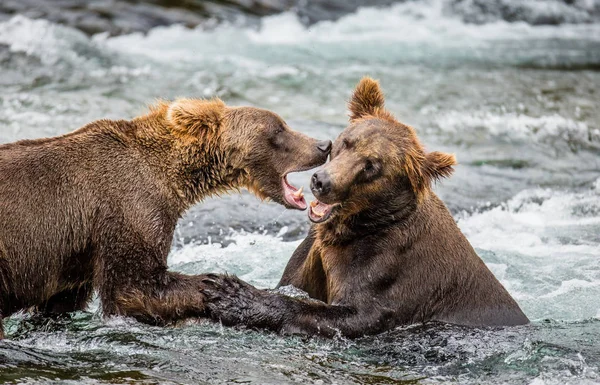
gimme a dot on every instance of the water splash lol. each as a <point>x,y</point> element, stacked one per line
<point>544,246</point>
<point>461,85</point>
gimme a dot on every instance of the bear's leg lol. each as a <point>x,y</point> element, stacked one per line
<point>5,289</point>
<point>132,278</point>
<point>235,302</point>
<point>68,301</point>
<point>178,297</point>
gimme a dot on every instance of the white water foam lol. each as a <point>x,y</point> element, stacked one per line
<point>41,38</point>
<point>49,42</point>
<point>534,223</point>
<point>544,246</point>
<point>517,127</point>
<point>419,22</point>
<point>413,23</point>
<point>55,45</point>
<point>258,258</point>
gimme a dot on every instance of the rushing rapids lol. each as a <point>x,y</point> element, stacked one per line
<point>514,98</point>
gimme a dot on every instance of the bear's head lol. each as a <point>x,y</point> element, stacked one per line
<point>378,166</point>
<point>247,147</point>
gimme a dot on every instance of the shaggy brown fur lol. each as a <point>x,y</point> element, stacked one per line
<point>96,209</point>
<point>384,250</point>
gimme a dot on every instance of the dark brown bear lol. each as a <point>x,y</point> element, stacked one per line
<point>96,209</point>
<point>384,250</point>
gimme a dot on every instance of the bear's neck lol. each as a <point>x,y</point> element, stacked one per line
<point>193,168</point>
<point>205,169</point>
<point>400,210</point>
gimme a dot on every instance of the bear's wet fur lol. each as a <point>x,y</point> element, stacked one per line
<point>383,250</point>
<point>95,209</point>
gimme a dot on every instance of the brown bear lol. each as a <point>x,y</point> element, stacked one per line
<point>96,209</point>
<point>383,251</point>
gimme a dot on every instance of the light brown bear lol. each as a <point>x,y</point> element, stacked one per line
<point>96,209</point>
<point>383,251</point>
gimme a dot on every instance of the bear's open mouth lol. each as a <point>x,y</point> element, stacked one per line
<point>319,212</point>
<point>293,196</point>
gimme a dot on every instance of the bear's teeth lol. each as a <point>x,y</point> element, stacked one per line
<point>314,203</point>
<point>298,193</point>
<point>319,214</point>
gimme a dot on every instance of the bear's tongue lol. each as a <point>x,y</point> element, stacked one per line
<point>293,196</point>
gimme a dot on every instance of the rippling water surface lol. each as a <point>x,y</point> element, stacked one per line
<point>517,103</point>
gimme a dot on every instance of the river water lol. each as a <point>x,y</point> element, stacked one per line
<point>517,104</point>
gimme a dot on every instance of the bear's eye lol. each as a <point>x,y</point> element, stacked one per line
<point>279,130</point>
<point>371,170</point>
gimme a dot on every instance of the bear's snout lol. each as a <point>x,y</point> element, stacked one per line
<point>320,183</point>
<point>324,146</point>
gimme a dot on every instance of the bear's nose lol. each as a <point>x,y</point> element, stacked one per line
<point>324,145</point>
<point>320,183</point>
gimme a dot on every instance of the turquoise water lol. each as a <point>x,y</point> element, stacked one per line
<point>517,103</point>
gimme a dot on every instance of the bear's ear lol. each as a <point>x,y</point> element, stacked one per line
<point>367,99</point>
<point>195,116</point>
<point>439,165</point>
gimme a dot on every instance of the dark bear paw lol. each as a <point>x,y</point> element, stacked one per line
<point>235,302</point>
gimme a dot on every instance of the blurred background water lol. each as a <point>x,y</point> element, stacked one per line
<point>510,86</point>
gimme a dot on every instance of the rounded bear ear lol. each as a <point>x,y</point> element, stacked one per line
<point>367,99</point>
<point>423,169</point>
<point>439,165</point>
<point>194,116</point>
